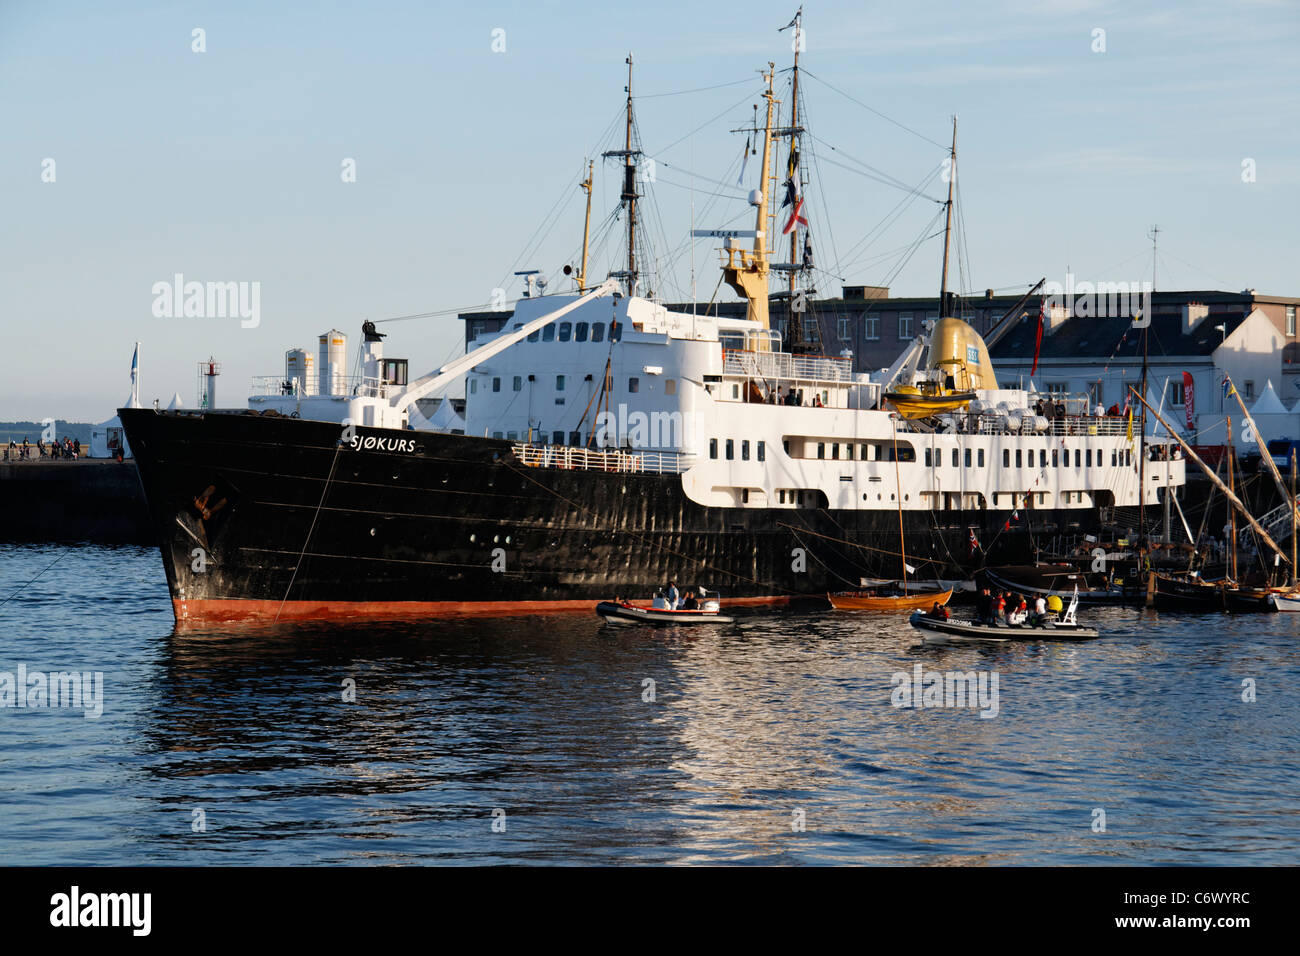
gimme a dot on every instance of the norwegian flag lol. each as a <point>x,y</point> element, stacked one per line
<point>796,217</point>
<point>974,543</point>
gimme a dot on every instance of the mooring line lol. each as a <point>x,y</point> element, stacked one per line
<point>293,577</point>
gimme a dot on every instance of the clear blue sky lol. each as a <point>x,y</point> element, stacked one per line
<point>225,165</point>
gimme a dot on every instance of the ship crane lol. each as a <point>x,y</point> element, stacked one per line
<point>422,387</point>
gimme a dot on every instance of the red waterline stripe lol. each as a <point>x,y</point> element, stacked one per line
<point>232,610</point>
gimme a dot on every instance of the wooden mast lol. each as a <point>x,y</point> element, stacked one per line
<point>796,319</point>
<point>1232,515</point>
<point>629,187</point>
<point>585,186</point>
<point>1294,578</point>
<point>1218,483</point>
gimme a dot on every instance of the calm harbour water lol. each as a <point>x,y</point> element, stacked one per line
<point>544,718</point>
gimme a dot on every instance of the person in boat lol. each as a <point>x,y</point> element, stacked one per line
<point>938,612</point>
<point>672,596</point>
<point>1000,608</point>
<point>984,607</point>
<point>689,603</point>
<point>1040,612</point>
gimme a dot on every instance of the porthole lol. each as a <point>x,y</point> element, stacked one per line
<point>372,532</point>
<point>507,539</point>
<point>496,539</point>
<point>472,539</point>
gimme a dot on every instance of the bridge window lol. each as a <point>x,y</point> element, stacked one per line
<point>473,386</point>
<point>1019,458</point>
<point>615,332</point>
<point>634,384</point>
<point>559,383</point>
<point>835,450</point>
<point>1056,457</point>
<point>548,333</point>
<point>1076,458</point>
<point>1006,458</point>
<point>966,456</point>
<point>575,439</point>
<point>1042,458</point>
<point>821,449</point>
<point>1114,457</point>
<point>1088,457</point>
<point>534,335</point>
<point>980,455</point>
<point>670,386</point>
<point>519,383</point>
<point>954,458</point>
<point>557,438</point>
<point>929,458</point>
<point>598,331</point>
<point>566,331</point>
<point>496,384</point>
<point>580,332</point>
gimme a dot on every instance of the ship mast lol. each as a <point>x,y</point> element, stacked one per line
<point>947,226</point>
<point>796,317</point>
<point>585,186</point>
<point>629,196</point>
<point>745,271</point>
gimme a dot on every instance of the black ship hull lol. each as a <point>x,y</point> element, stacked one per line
<point>264,517</point>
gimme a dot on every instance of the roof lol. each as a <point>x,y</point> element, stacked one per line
<point>1089,337</point>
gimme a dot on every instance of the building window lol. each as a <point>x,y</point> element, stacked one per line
<point>713,448</point>
<point>1056,388</point>
<point>473,386</point>
<point>844,328</point>
<point>1250,389</point>
<point>1174,394</point>
<point>496,384</point>
<point>731,449</point>
<point>871,327</point>
<point>575,439</point>
<point>634,384</point>
<point>1290,320</point>
<point>519,383</point>
<point>744,451</point>
<point>762,451</point>
<point>498,435</point>
<point>904,325</point>
<point>1094,395</point>
<point>598,331</point>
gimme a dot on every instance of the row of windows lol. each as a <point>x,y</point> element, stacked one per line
<point>517,385</point>
<point>575,331</point>
<point>730,449</point>
<point>1082,459</point>
<point>934,457</point>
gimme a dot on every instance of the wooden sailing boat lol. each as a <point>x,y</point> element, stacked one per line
<point>891,598</point>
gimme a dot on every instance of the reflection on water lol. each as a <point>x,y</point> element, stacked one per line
<point>773,740</point>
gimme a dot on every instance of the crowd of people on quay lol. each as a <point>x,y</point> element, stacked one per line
<point>68,449</point>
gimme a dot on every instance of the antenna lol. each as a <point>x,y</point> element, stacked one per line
<point>1154,235</point>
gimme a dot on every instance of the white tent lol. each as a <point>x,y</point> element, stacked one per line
<point>1272,418</point>
<point>175,403</point>
<point>107,437</point>
<point>444,419</point>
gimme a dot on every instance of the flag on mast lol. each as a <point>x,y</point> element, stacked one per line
<point>1038,340</point>
<point>796,217</point>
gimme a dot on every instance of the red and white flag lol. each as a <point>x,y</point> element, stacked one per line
<point>795,217</point>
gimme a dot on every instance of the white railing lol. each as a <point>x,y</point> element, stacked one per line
<point>353,386</point>
<point>784,366</point>
<point>590,459</point>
